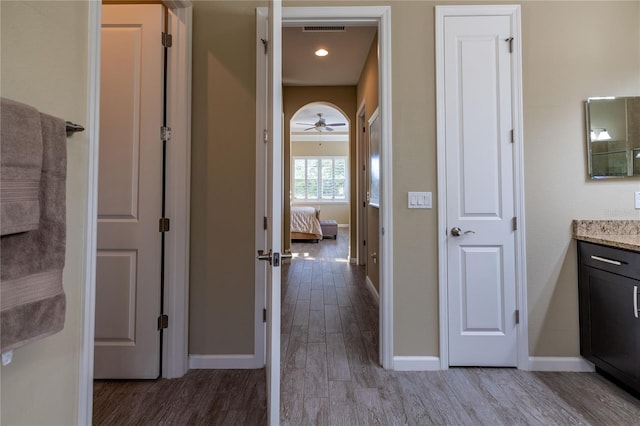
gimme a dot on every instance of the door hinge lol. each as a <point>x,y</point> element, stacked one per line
<point>265,44</point>
<point>514,223</point>
<point>264,315</point>
<point>517,316</point>
<point>265,223</point>
<point>165,133</point>
<point>163,321</point>
<point>167,40</point>
<point>265,136</point>
<point>164,224</point>
<point>513,136</point>
<point>510,41</point>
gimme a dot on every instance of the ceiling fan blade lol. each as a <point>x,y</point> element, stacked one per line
<point>336,124</point>
<point>307,124</point>
<point>328,129</point>
<point>310,128</point>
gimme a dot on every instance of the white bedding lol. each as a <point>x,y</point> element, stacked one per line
<point>304,220</point>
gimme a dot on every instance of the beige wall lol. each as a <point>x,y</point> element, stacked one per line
<point>557,186</point>
<point>560,42</point>
<point>294,98</point>
<point>223,178</point>
<point>44,58</point>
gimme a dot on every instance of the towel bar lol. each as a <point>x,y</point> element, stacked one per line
<point>72,128</point>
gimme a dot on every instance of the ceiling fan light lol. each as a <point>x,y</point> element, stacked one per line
<point>322,52</point>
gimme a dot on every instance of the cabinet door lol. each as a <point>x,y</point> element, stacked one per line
<point>614,329</point>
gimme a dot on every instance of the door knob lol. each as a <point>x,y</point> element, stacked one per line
<point>286,255</point>
<point>456,232</point>
<point>264,256</point>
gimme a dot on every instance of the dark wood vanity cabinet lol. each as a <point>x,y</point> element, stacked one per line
<point>609,283</point>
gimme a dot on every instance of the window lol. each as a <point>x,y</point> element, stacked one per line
<point>320,179</point>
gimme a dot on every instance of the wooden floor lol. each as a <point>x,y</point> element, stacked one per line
<point>331,376</point>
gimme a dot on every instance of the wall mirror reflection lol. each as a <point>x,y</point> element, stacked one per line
<point>613,136</point>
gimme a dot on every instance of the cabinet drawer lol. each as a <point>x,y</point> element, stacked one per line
<point>618,261</point>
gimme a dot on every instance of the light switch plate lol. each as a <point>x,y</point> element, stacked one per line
<point>637,199</point>
<point>419,200</point>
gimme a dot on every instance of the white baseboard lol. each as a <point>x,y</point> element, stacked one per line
<point>553,363</point>
<point>343,225</point>
<point>353,261</point>
<point>222,362</point>
<point>416,363</point>
<point>373,290</point>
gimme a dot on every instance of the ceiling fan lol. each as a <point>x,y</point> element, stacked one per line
<point>321,125</point>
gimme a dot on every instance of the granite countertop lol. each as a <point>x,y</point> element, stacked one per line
<point>623,234</point>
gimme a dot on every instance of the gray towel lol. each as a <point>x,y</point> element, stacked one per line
<point>20,165</point>
<point>32,301</point>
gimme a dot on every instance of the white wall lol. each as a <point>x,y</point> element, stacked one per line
<point>44,57</point>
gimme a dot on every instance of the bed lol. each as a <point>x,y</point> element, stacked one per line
<point>305,223</point>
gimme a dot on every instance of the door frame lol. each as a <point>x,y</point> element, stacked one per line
<point>357,15</point>
<point>175,342</point>
<point>362,150</point>
<point>513,11</point>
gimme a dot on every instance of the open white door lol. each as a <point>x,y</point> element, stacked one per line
<point>128,264</point>
<point>273,205</point>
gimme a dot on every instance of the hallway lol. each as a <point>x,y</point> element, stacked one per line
<point>329,334</point>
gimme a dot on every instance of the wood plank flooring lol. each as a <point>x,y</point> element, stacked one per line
<point>331,375</point>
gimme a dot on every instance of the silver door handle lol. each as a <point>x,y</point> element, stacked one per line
<point>374,257</point>
<point>456,232</point>
<point>635,301</point>
<point>264,256</point>
<point>286,255</point>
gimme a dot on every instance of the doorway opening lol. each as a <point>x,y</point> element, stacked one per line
<point>177,20</point>
<point>329,302</point>
<point>317,175</point>
<point>378,18</point>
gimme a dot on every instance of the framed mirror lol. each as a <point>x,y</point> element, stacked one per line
<point>613,136</point>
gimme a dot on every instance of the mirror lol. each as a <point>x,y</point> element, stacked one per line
<point>613,136</point>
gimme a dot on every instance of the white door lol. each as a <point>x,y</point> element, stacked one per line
<point>273,181</point>
<point>127,340</point>
<point>480,191</point>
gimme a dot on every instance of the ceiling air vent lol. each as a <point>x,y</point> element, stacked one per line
<point>324,29</point>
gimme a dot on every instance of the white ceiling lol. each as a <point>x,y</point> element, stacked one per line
<point>343,65</point>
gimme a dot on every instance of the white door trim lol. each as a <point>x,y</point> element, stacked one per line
<point>85,373</point>
<point>260,329</point>
<point>178,184</point>
<point>361,186</point>
<point>175,342</point>
<point>381,16</point>
<point>518,161</point>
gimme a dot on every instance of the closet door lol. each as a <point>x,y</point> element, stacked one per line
<point>128,272</point>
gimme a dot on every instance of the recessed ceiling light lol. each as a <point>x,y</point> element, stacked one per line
<point>322,52</point>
